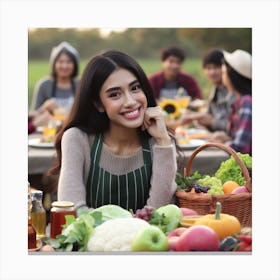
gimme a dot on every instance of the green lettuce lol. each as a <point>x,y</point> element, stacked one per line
<point>230,170</point>
<point>75,233</point>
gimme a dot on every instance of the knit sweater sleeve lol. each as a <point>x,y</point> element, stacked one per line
<point>163,185</point>
<point>75,150</point>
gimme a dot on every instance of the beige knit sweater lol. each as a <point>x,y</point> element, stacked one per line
<point>75,165</point>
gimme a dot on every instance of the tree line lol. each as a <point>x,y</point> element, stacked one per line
<point>138,42</point>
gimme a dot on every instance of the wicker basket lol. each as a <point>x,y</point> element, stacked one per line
<point>238,205</point>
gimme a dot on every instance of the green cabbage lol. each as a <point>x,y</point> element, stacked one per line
<point>111,211</point>
<point>230,170</point>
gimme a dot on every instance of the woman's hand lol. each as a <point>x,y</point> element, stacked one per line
<point>49,105</point>
<point>218,137</point>
<point>155,124</point>
<point>205,120</point>
<point>42,119</point>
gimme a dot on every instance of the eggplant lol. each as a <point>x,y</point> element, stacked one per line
<point>228,244</point>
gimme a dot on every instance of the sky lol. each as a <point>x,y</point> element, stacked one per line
<point>103,31</point>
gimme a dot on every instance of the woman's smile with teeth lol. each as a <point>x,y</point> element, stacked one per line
<point>132,114</point>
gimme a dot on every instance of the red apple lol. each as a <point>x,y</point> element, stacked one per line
<point>172,241</point>
<point>198,238</point>
<point>188,211</point>
<point>241,189</point>
<point>173,237</point>
<point>177,231</point>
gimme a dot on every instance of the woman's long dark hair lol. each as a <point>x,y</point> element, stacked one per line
<point>242,84</point>
<point>84,113</point>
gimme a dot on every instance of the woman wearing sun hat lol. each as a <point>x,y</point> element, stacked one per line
<point>61,85</point>
<point>237,77</point>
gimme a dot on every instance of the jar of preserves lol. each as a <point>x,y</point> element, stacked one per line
<point>32,236</point>
<point>38,213</point>
<point>58,212</point>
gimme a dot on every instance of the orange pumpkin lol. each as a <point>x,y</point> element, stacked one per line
<point>223,224</point>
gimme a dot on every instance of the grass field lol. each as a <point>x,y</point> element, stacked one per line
<point>38,69</point>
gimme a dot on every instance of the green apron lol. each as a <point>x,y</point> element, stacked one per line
<point>130,190</point>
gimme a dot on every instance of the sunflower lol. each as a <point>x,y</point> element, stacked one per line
<point>171,107</point>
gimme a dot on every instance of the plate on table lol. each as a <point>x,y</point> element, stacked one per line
<point>36,143</point>
<point>197,133</point>
<point>193,143</point>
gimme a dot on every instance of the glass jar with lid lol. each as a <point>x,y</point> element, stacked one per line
<point>38,213</point>
<point>58,212</point>
<point>32,236</point>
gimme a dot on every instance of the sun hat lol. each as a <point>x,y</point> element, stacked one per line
<point>240,61</point>
<point>57,49</point>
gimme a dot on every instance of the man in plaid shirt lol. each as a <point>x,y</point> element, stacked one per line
<point>171,80</point>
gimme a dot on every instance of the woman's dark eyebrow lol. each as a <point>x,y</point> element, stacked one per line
<point>117,88</point>
<point>112,89</point>
<point>133,82</point>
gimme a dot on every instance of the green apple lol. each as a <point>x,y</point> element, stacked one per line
<point>150,238</point>
<point>173,213</point>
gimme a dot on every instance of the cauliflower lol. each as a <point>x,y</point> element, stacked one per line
<point>115,235</point>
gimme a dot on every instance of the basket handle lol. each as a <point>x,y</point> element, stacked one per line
<point>229,150</point>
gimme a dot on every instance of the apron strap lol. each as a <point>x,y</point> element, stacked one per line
<point>146,150</point>
<point>96,148</point>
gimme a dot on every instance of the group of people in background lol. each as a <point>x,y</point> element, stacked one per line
<point>229,110</point>
<point>116,135</point>
<point>229,104</point>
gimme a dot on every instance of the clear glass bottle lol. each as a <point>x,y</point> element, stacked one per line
<point>58,212</point>
<point>38,213</point>
<point>32,235</point>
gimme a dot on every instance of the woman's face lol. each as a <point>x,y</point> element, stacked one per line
<point>64,66</point>
<point>123,99</point>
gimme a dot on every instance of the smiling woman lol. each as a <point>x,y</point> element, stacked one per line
<point>118,140</point>
<point>123,100</point>
<point>61,85</point>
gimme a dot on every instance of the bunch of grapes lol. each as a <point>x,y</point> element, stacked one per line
<point>199,188</point>
<point>214,184</point>
<point>145,213</point>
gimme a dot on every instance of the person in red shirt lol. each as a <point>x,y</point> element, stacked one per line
<point>171,80</point>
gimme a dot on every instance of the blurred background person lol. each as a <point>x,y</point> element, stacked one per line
<point>63,81</point>
<point>219,100</point>
<point>42,116</point>
<point>171,81</point>
<point>237,77</point>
